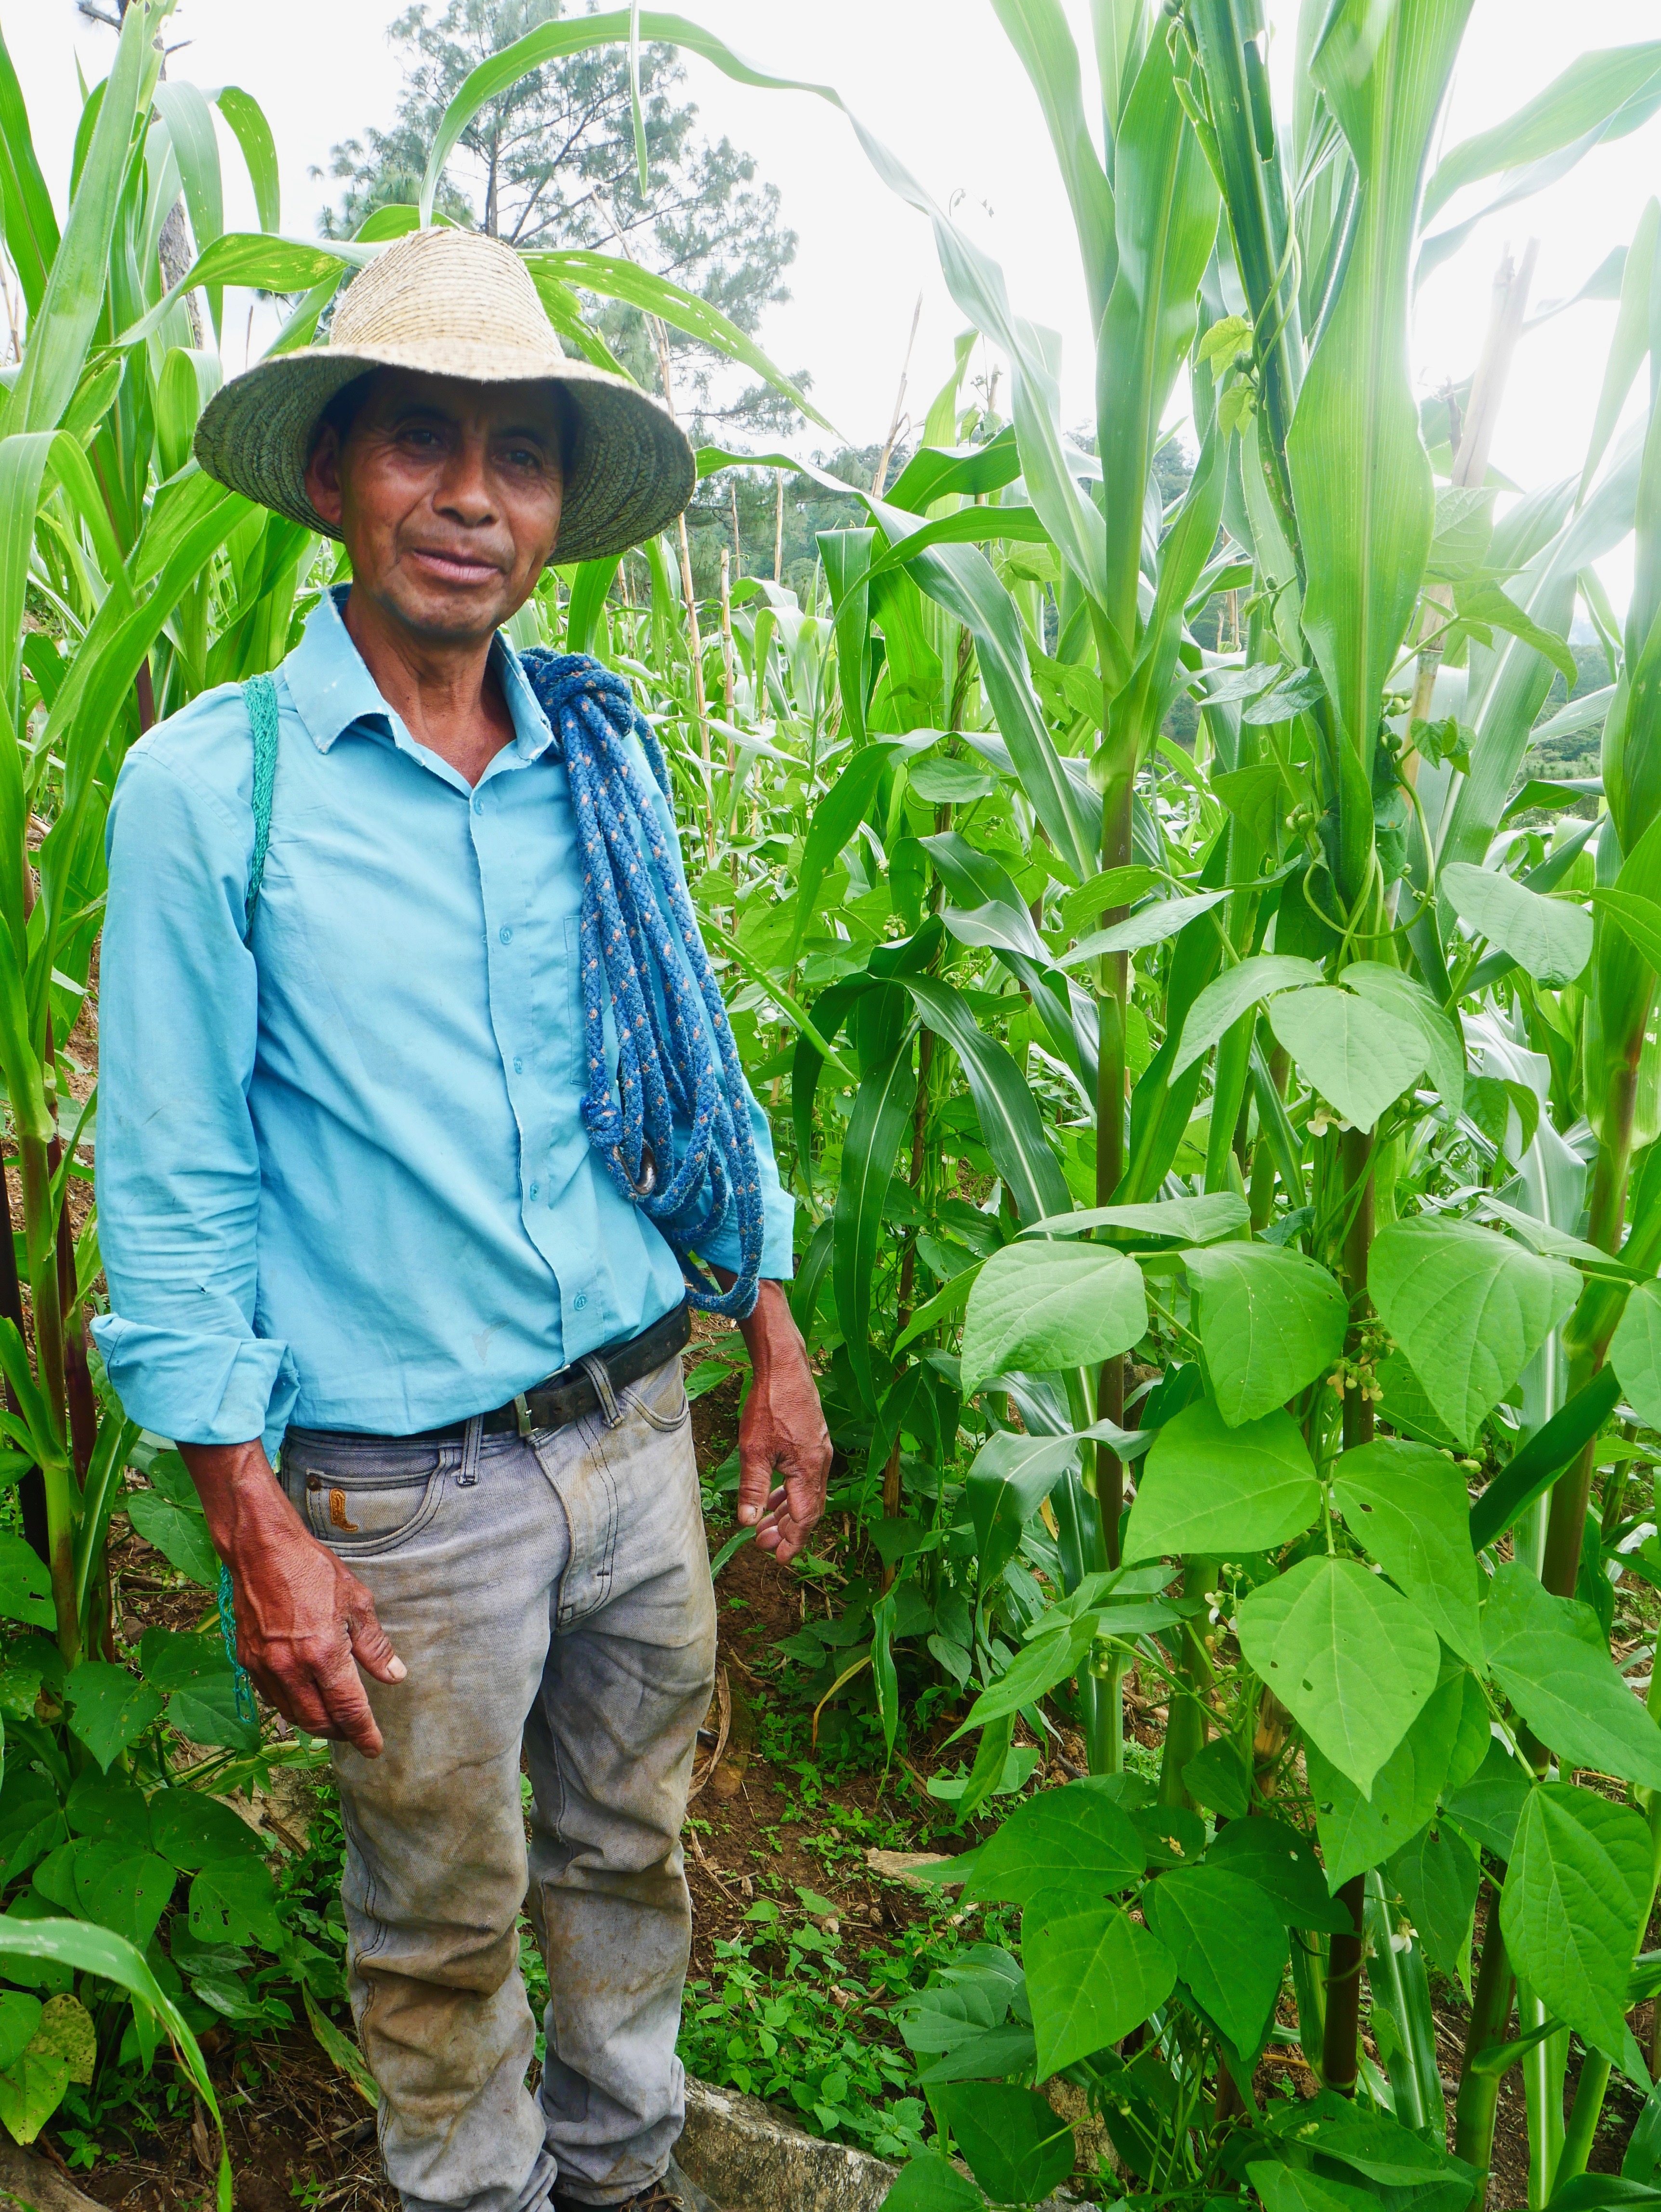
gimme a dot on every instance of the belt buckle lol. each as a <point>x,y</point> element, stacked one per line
<point>522,1412</point>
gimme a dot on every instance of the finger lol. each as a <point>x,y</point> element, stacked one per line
<point>755,1485</point>
<point>806,1494</point>
<point>347,1705</point>
<point>294,1696</point>
<point>372,1647</point>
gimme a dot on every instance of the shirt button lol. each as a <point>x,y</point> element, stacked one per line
<point>518,1064</point>
<point>478,803</point>
<point>505,934</point>
<point>534,1189</point>
<point>579,1301</point>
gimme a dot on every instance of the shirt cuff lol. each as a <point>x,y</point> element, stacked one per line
<point>199,1389</point>
<point>778,1253</point>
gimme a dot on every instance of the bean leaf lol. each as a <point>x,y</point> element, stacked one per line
<point>1360,1057</point>
<point>1406,1506</point>
<point>1042,1306</point>
<point>1549,1657</point>
<point>1348,1656</point>
<point>1091,1978</point>
<point>1209,1488</point>
<point>1469,1308</point>
<point>1270,1322</point>
<point>1547,938</point>
<point>1572,1908</point>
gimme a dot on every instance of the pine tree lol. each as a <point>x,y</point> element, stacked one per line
<point>551,162</point>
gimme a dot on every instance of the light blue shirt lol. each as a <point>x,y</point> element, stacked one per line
<point>342,1176</point>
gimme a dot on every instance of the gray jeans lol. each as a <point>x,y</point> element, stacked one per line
<point>552,1593</point>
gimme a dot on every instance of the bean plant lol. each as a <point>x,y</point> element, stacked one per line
<point>1230,1192</point>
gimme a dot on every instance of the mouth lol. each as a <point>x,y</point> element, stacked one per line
<point>453,568</point>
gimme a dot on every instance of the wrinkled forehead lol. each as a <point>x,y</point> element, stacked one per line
<point>387,396</point>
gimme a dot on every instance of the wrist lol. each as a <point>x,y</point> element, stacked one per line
<point>242,1501</point>
<point>770,1328</point>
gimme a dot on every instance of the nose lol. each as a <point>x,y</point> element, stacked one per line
<point>464,490</point>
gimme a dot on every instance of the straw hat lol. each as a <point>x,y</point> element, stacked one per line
<point>454,303</point>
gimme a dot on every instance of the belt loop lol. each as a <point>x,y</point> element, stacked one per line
<point>472,1438</point>
<point>595,1368</point>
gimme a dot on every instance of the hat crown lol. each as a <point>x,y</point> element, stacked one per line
<point>444,284</point>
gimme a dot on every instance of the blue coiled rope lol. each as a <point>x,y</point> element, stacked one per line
<point>644,956</point>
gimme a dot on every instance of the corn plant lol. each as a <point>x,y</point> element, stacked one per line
<point>1232,1212</point>
<point>1292,1148</point>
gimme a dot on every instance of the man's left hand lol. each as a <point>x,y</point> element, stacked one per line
<point>783,1431</point>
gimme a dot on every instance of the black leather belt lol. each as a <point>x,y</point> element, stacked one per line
<point>574,1391</point>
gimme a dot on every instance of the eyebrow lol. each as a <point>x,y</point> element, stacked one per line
<point>425,412</point>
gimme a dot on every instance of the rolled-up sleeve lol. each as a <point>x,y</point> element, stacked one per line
<point>778,1208</point>
<point>178,1166</point>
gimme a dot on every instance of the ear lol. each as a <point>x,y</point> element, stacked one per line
<point>323,485</point>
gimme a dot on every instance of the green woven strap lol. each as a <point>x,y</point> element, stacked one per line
<point>260,695</point>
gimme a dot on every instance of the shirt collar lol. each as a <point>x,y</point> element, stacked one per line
<point>331,688</point>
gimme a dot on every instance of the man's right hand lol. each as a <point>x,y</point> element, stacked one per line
<point>301,1617</point>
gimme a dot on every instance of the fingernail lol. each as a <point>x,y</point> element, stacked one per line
<point>746,1514</point>
<point>397,1670</point>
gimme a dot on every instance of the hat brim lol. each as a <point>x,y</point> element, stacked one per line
<point>632,472</point>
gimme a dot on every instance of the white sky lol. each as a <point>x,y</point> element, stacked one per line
<point>936,80</point>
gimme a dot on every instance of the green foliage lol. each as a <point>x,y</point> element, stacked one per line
<point>1266,1121</point>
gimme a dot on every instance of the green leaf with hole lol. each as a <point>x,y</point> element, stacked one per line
<point>1076,1840</point>
<point>1042,1306</point>
<point>1469,1308</point>
<point>122,1889</point>
<point>1270,1322</point>
<point>1228,1945</point>
<point>65,2027</point>
<point>30,2093</point>
<point>1011,2139</point>
<point>1359,1056</point>
<point>1209,1488</point>
<point>1439,1753</point>
<point>1549,1657</point>
<point>109,1708</point>
<point>1635,1353</point>
<point>233,1901</point>
<point>1549,938</point>
<point>1091,1978</point>
<point>1407,1507</point>
<point>194,1831</point>
<point>25,1585</point>
<point>1349,1657</point>
<point>1572,1909</point>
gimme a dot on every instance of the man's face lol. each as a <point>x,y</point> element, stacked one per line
<point>448,497</point>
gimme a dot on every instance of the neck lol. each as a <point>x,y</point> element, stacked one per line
<point>443,690</point>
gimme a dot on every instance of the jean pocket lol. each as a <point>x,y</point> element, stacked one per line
<point>364,1501</point>
<point>660,1398</point>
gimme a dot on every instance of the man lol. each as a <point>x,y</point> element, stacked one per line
<point>345,1193</point>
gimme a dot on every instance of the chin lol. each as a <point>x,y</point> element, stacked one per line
<point>455,614</point>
